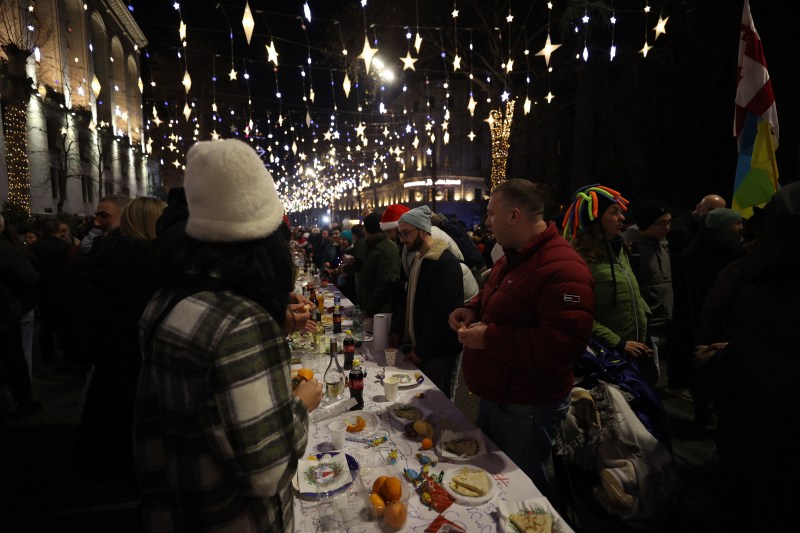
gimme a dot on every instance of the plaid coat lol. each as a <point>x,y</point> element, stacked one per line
<point>218,432</point>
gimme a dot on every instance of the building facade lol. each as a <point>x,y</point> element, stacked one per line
<point>85,129</point>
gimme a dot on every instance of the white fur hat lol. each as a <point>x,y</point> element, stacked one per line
<point>231,195</point>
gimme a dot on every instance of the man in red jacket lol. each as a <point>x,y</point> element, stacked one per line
<point>525,330</point>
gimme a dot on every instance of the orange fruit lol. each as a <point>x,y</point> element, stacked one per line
<point>306,373</point>
<point>378,504</point>
<point>395,515</point>
<point>378,483</point>
<point>426,444</point>
<point>392,489</point>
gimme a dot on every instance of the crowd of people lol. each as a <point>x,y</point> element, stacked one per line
<point>178,313</point>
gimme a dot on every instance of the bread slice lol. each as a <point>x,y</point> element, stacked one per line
<point>540,522</point>
<point>465,447</point>
<point>471,483</point>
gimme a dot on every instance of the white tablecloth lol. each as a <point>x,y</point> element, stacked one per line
<point>510,483</point>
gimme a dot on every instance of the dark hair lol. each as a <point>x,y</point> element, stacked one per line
<point>260,269</point>
<point>358,231</point>
<point>48,226</point>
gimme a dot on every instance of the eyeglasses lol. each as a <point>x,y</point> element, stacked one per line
<point>404,234</point>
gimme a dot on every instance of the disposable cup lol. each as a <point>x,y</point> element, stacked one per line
<point>391,356</point>
<point>337,430</point>
<point>391,387</point>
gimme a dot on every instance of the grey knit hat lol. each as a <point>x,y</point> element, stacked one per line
<point>419,217</point>
<point>722,218</point>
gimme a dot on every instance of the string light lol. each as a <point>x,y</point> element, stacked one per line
<point>19,180</point>
<point>500,128</point>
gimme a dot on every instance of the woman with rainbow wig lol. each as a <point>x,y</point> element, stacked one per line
<point>594,224</point>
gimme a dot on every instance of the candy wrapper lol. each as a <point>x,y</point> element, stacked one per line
<point>442,525</point>
<point>439,499</point>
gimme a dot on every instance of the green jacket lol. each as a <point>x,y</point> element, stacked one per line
<point>627,319</point>
<point>380,276</point>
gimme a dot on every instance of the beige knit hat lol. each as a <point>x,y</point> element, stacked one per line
<point>231,195</point>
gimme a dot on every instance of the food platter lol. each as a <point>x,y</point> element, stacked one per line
<point>408,412</point>
<point>449,436</point>
<point>536,506</point>
<point>407,378</point>
<point>325,474</point>
<point>461,499</point>
<point>373,423</point>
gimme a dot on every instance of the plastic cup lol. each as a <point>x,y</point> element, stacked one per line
<point>391,386</point>
<point>391,356</point>
<point>337,430</point>
<point>310,360</point>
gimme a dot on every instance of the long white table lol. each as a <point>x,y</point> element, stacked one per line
<point>510,483</point>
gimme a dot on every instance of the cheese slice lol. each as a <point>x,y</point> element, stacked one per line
<point>540,522</point>
<point>471,483</point>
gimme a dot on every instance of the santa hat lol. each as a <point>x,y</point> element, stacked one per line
<point>231,195</point>
<point>392,216</point>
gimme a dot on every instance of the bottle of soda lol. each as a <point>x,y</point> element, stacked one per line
<point>337,300</point>
<point>349,348</point>
<point>337,320</point>
<point>356,383</point>
<point>312,295</point>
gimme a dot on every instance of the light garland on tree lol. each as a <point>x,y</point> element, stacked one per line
<point>19,180</point>
<point>500,128</point>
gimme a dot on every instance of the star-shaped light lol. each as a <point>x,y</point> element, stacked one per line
<point>548,49</point>
<point>346,86</point>
<point>302,156</point>
<point>417,42</point>
<point>415,142</point>
<point>367,53</point>
<point>661,26</point>
<point>527,105</point>
<point>509,65</point>
<point>549,97</point>
<point>214,135</point>
<point>646,48</point>
<point>232,128</point>
<point>247,22</point>
<point>386,131</point>
<point>408,61</point>
<point>489,120</point>
<point>182,31</point>
<point>327,135</point>
<point>455,13</point>
<point>585,53</point>
<point>232,74</point>
<point>612,52</point>
<point>360,129</point>
<point>509,18</point>
<point>456,62</point>
<point>187,111</point>
<point>272,53</point>
<point>311,95</point>
<point>471,135</point>
<point>157,121</point>
<point>187,80</point>
<point>504,96</point>
<point>471,105</point>
<point>177,163</point>
<point>585,18</point>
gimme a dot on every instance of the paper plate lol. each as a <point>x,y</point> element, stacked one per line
<point>533,505</point>
<point>373,422</point>
<point>321,471</point>
<point>448,436</point>
<point>393,412</point>
<point>407,378</point>
<point>460,498</point>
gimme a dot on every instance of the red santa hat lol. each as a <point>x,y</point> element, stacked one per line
<point>392,216</point>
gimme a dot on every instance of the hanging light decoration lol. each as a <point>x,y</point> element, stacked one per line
<point>247,22</point>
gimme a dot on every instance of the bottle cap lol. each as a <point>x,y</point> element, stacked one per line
<point>349,332</point>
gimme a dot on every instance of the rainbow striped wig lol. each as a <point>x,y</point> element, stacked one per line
<point>584,208</point>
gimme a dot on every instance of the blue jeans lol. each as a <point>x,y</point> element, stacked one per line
<point>525,433</point>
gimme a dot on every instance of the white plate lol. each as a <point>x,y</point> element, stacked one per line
<point>424,412</point>
<point>448,435</point>
<point>407,378</point>
<point>373,422</point>
<point>507,508</point>
<point>460,498</point>
<point>352,466</point>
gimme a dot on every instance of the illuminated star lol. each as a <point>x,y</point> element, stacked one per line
<point>415,142</point>
<point>549,97</point>
<point>661,26</point>
<point>504,96</point>
<point>232,74</point>
<point>646,48</point>
<point>471,105</point>
<point>367,53</point>
<point>157,121</point>
<point>585,18</point>
<point>360,129</point>
<point>510,65</point>
<point>408,62</point>
<point>327,135</point>
<point>509,18</point>
<point>232,128</point>
<point>346,85</point>
<point>456,62</point>
<point>471,135</point>
<point>527,105</point>
<point>177,163</point>
<point>417,42</point>
<point>272,54</point>
<point>303,156</point>
<point>182,31</point>
<point>215,135</point>
<point>386,131</point>
<point>548,49</point>
<point>455,13</point>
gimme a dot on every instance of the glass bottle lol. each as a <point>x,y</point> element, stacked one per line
<point>358,326</point>
<point>334,375</point>
<point>319,333</point>
<point>356,384</point>
<point>337,320</point>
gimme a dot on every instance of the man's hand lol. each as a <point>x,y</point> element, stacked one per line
<point>414,358</point>
<point>472,336</point>
<point>635,349</point>
<point>461,318</point>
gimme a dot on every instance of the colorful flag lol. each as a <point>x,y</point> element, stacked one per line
<point>755,124</point>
